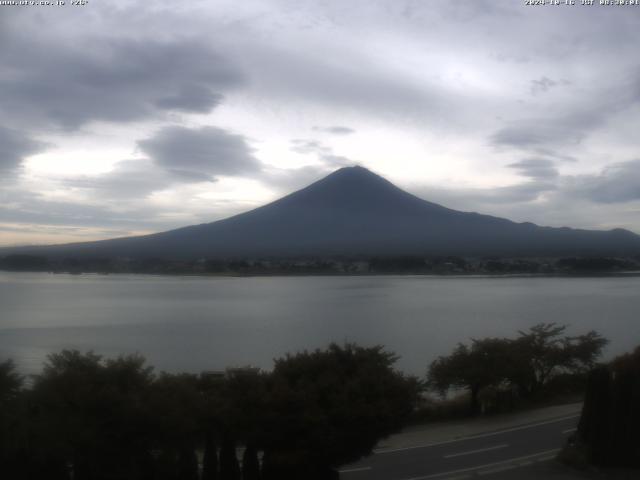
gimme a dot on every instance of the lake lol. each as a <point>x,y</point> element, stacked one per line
<point>197,323</point>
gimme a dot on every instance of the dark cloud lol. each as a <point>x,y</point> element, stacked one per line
<point>348,85</point>
<point>544,84</point>
<point>536,168</point>
<point>335,130</point>
<point>201,153</point>
<point>567,127</point>
<point>196,98</point>
<point>617,183</point>
<point>14,146</point>
<point>109,79</point>
<point>536,134</point>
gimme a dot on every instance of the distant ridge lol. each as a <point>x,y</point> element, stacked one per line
<point>354,212</point>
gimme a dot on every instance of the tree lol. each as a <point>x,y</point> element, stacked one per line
<point>210,458</point>
<point>330,407</point>
<point>176,405</point>
<point>543,352</point>
<point>250,463</point>
<point>11,420</point>
<point>482,364</point>
<point>10,381</point>
<point>608,431</point>
<point>529,362</point>
<point>229,466</point>
<point>92,414</point>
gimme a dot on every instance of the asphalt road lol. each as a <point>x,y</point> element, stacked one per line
<point>487,454</point>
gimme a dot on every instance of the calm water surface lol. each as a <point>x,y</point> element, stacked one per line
<point>196,323</point>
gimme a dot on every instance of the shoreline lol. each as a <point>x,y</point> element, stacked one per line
<point>339,275</point>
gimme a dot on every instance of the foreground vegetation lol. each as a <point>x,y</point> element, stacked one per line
<point>608,434</point>
<point>538,364</point>
<point>89,418</point>
<point>84,417</point>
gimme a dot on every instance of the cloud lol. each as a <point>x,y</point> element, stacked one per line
<point>535,134</point>
<point>335,130</point>
<point>14,146</point>
<point>617,183</point>
<point>536,168</point>
<point>323,153</point>
<point>448,78</point>
<point>337,161</point>
<point>129,179</point>
<point>544,84</point>
<point>110,79</point>
<point>30,208</point>
<point>340,82</point>
<point>195,98</point>
<point>287,180</point>
<point>305,146</point>
<point>582,201</point>
<point>565,127</point>
<point>484,199</point>
<point>201,153</point>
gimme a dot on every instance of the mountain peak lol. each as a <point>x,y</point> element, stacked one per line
<point>355,177</point>
<point>354,169</point>
<point>354,211</point>
<point>348,187</point>
<point>355,172</point>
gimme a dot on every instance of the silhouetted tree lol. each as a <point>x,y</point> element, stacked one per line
<point>12,416</point>
<point>210,458</point>
<point>187,463</point>
<point>528,362</point>
<point>609,426</point>
<point>330,407</point>
<point>244,399</point>
<point>89,418</point>
<point>10,382</point>
<point>595,423</point>
<point>177,404</point>
<point>250,463</point>
<point>229,466</point>
<point>543,351</point>
<point>484,363</point>
<point>90,414</point>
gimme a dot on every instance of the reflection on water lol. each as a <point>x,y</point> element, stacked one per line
<point>196,323</point>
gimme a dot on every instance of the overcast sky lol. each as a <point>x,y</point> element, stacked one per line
<point>121,117</point>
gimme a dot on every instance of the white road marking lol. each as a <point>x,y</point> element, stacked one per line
<point>568,430</point>
<point>487,465</point>
<point>545,459</point>
<point>497,469</point>
<point>351,470</point>
<point>471,452</point>
<point>472,437</point>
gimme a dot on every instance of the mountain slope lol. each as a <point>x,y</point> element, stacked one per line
<point>355,212</point>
